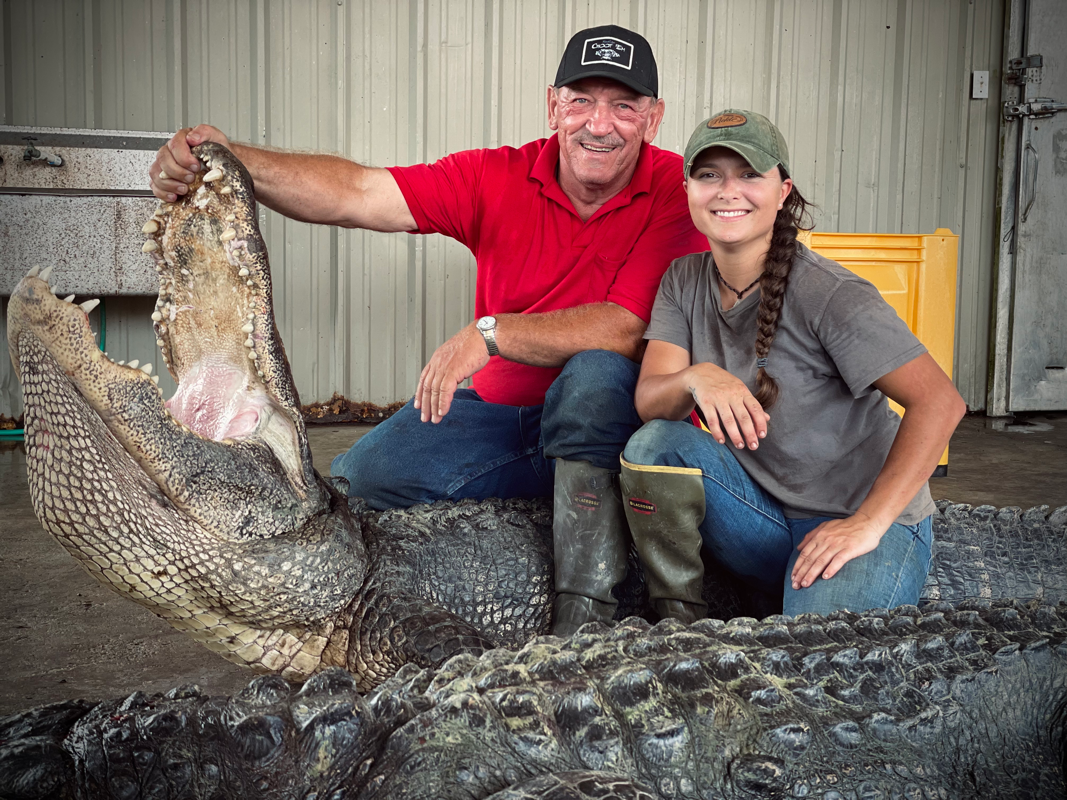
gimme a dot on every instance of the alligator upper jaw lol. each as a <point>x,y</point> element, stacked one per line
<point>229,449</point>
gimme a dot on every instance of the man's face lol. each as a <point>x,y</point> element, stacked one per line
<point>601,125</point>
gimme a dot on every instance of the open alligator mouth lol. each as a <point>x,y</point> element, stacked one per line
<point>170,502</point>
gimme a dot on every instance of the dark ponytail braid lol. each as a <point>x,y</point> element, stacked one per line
<point>773,282</point>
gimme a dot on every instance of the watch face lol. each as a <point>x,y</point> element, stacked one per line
<point>485,323</point>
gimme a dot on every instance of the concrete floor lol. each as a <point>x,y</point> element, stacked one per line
<point>63,635</point>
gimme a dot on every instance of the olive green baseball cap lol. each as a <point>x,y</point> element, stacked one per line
<point>754,137</point>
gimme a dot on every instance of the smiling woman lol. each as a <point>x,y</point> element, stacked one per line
<point>836,489</point>
<point>735,205</point>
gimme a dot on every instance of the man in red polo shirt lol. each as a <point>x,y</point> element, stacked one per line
<point>571,235</point>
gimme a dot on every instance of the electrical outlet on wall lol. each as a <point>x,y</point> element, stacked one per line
<point>980,85</point>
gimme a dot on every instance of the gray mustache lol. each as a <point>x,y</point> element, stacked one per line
<point>608,141</point>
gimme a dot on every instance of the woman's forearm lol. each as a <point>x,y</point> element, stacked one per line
<point>922,437</point>
<point>664,396</point>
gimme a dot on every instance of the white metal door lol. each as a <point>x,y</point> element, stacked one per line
<point>1030,348</point>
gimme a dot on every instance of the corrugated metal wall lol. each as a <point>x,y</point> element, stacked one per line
<point>871,94</point>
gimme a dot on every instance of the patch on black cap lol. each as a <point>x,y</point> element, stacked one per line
<point>608,50</point>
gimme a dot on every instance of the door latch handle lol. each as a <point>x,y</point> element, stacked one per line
<point>1033,182</point>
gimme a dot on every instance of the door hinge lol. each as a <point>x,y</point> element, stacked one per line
<point>1038,107</point>
<point>1024,70</point>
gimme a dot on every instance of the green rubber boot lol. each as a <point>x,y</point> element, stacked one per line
<point>590,541</point>
<point>664,508</point>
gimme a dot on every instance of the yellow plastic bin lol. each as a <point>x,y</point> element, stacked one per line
<point>915,274</point>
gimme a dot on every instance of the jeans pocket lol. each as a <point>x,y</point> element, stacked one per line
<point>922,534</point>
<point>922,531</point>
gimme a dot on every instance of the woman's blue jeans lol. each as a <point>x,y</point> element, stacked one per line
<point>745,530</point>
<point>482,449</point>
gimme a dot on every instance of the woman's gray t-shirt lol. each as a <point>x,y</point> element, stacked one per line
<point>831,430</point>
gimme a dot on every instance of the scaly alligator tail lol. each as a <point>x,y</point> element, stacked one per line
<point>957,702</point>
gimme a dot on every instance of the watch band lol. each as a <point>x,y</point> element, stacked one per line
<point>490,341</point>
<point>487,327</point>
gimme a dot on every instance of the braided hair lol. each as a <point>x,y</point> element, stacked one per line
<point>773,282</point>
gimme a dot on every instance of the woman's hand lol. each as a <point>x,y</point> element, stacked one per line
<point>728,407</point>
<point>833,544</point>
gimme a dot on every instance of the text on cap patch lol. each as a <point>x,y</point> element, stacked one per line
<point>727,121</point>
<point>608,50</point>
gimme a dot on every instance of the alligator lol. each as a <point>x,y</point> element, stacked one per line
<point>964,700</point>
<point>207,510</point>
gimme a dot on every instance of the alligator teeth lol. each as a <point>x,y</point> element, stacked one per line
<point>157,317</point>
<point>230,218</point>
<point>150,227</point>
<point>159,342</point>
<point>251,315</point>
<point>155,380</point>
<point>228,235</point>
<point>184,271</point>
<point>242,272</point>
<point>135,363</point>
<point>250,342</point>
<point>149,247</point>
<point>147,369</point>
<point>225,190</point>
<point>246,328</point>
<point>252,354</point>
<point>248,283</point>
<point>45,273</point>
<point>89,305</point>
<point>213,175</point>
<point>120,363</point>
<point>68,299</point>
<point>33,271</point>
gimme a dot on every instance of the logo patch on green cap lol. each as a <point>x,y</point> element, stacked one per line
<point>727,121</point>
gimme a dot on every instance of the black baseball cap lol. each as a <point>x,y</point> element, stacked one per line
<point>609,51</point>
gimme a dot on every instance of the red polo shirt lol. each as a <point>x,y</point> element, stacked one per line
<point>533,251</point>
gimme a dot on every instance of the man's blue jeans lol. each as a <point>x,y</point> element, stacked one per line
<point>745,530</point>
<point>482,449</point>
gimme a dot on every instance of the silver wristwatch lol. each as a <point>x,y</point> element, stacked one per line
<point>487,327</point>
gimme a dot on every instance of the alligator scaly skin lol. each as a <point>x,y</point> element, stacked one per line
<point>490,563</point>
<point>962,701</point>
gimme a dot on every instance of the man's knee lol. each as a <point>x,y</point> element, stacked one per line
<point>590,373</point>
<point>589,409</point>
<point>373,466</point>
